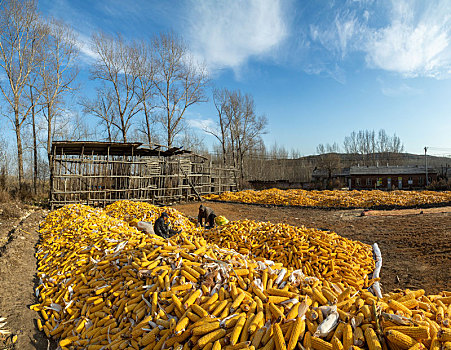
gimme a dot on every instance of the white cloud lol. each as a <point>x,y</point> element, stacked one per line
<point>227,33</point>
<point>412,38</point>
<point>416,42</point>
<point>338,36</point>
<point>83,43</point>
<point>345,30</point>
<point>333,35</point>
<point>366,15</point>
<point>202,124</point>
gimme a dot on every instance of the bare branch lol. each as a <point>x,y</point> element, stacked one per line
<point>179,82</point>
<point>118,66</point>
<point>21,36</point>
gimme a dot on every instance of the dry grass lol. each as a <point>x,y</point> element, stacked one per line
<point>11,210</point>
<point>5,196</point>
<point>11,192</point>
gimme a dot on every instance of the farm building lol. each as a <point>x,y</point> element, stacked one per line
<point>339,176</point>
<point>379,177</point>
<point>390,177</point>
<point>99,173</point>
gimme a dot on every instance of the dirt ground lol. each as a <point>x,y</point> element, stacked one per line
<point>416,250</point>
<point>415,244</point>
<point>18,238</point>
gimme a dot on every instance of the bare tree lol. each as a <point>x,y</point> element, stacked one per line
<point>246,127</point>
<point>179,81</point>
<point>118,66</point>
<point>278,151</point>
<point>21,35</point>
<point>58,71</point>
<point>221,132</point>
<point>71,126</point>
<point>193,142</point>
<point>145,88</point>
<point>34,137</point>
<point>140,134</point>
<point>102,107</point>
<point>295,153</point>
<point>351,143</point>
<point>370,148</point>
<point>329,158</point>
<point>239,129</point>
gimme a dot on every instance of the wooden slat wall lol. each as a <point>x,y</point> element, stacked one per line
<point>99,180</point>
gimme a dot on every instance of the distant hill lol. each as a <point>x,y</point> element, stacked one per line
<point>393,159</point>
<point>434,161</point>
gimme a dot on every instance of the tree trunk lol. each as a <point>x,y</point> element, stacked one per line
<point>169,134</point>
<point>123,129</point>
<point>49,148</point>
<point>223,154</point>
<point>50,158</point>
<point>223,144</point>
<point>149,138</point>
<point>19,149</point>
<point>35,147</point>
<point>146,114</point>
<point>110,139</point>
<point>49,130</point>
<point>242,168</point>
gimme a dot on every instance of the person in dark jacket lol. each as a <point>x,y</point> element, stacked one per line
<point>161,227</point>
<point>208,214</point>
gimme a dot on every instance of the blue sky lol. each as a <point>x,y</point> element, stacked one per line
<point>317,69</point>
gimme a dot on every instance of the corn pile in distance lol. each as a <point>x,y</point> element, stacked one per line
<point>321,254</point>
<point>318,253</point>
<point>132,212</point>
<point>335,199</point>
<point>105,285</point>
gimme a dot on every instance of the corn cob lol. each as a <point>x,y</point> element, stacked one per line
<point>297,333</point>
<point>372,340</point>
<point>348,337</point>
<point>319,344</point>
<point>278,338</point>
<point>421,332</point>
<point>400,339</point>
<point>211,337</point>
<point>337,345</point>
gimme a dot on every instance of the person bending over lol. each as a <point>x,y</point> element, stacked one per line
<point>161,227</point>
<point>207,214</point>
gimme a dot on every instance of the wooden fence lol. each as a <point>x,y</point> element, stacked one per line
<point>99,173</point>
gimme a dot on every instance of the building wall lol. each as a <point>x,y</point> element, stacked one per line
<point>413,181</point>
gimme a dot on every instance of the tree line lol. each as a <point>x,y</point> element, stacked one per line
<point>143,89</point>
<point>364,147</point>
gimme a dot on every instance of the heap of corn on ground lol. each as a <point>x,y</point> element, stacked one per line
<point>336,198</point>
<point>105,285</point>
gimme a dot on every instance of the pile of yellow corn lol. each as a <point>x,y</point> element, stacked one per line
<point>132,212</point>
<point>105,285</point>
<point>322,254</point>
<point>335,199</point>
